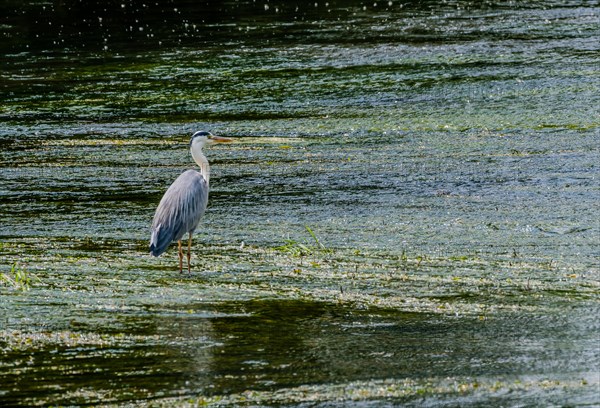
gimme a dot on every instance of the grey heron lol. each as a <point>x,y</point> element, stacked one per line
<point>184,202</point>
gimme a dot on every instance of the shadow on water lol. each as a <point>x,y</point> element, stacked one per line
<point>270,346</point>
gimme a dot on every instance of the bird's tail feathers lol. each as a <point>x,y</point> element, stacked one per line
<point>159,241</point>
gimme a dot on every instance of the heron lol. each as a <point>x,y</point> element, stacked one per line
<point>184,202</point>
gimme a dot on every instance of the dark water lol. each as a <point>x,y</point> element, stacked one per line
<point>444,154</point>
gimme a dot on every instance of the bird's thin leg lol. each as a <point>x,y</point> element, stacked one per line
<point>180,257</point>
<point>189,254</point>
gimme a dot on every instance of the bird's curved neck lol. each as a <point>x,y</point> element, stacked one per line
<point>201,161</point>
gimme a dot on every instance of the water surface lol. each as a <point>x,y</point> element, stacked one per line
<point>445,157</point>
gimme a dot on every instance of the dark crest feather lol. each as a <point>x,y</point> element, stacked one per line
<point>198,134</point>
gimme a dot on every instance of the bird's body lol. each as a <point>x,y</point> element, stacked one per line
<point>188,195</point>
<point>184,202</point>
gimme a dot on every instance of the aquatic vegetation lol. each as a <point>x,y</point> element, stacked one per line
<point>300,249</point>
<point>402,391</point>
<point>18,278</point>
<point>431,164</point>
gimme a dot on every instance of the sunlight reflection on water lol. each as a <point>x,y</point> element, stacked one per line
<point>444,155</point>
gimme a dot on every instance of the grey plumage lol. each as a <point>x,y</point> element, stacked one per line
<point>184,202</point>
<point>179,211</point>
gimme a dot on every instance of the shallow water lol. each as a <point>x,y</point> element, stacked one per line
<point>445,157</point>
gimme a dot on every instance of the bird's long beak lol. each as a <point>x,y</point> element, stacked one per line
<point>221,139</point>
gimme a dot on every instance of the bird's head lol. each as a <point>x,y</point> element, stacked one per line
<point>201,139</point>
